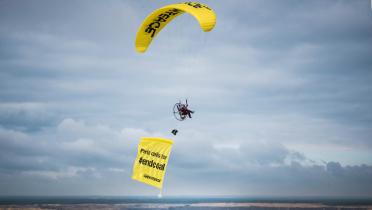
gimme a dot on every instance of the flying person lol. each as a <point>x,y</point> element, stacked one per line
<point>184,110</point>
<point>181,111</point>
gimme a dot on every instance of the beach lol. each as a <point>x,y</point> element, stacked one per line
<point>194,206</point>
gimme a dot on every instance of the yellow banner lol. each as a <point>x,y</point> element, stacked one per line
<point>152,159</point>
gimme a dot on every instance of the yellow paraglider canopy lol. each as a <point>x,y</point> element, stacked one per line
<point>159,18</point>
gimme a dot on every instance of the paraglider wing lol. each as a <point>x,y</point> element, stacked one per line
<point>159,18</point>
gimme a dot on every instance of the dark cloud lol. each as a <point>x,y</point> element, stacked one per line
<point>271,84</point>
<point>279,180</point>
<point>80,156</point>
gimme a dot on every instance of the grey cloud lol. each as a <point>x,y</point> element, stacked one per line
<point>334,168</point>
<point>98,153</point>
<point>80,147</point>
<point>269,76</point>
<point>26,116</point>
<point>294,178</point>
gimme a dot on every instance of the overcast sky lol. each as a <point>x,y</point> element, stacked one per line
<point>282,93</point>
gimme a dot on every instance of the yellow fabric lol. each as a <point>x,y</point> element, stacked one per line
<point>156,21</point>
<point>152,159</point>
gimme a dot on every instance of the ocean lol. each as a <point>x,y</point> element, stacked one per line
<point>184,203</point>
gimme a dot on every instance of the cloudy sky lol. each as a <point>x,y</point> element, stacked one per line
<point>282,93</point>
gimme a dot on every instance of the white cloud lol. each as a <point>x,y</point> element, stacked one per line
<point>277,90</point>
